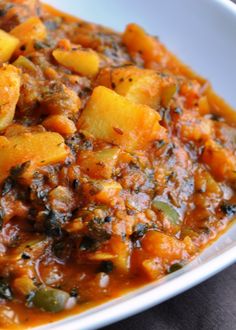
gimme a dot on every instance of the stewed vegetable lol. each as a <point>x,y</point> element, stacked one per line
<point>50,300</point>
<point>117,163</point>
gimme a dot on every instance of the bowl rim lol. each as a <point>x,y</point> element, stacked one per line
<point>228,5</point>
<point>149,295</point>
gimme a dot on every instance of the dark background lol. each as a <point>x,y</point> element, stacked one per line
<point>209,306</point>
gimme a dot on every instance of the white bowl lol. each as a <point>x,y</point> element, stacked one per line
<point>202,33</point>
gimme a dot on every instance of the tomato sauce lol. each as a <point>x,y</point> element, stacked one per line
<point>117,163</point>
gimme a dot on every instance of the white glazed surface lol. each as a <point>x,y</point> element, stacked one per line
<point>202,33</point>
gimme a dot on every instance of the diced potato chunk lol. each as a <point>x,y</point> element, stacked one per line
<point>154,53</point>
<point>216,104</point>
<point>121,249</point>
<point>24,285</point>
<point>137,40</point>
<point>204,107</point>
<point>8,45</point>
<point>109,192</point>
<point>221,161</point>
<point>152,268</point>
<point>84,62</point>
<point>138,85</point>
<point>191,91</point>
<point>28,32</point>
<point>39,148</point>
<point>60,124</point>
<point>163,246</point>
<point>205,184</point>
<point>18,129</point>
<point>195,128</point>
<point>74,226</point>
<point>168,90</point>
<point>9,94</point>
<point>60,199</point>
<point>98,164</point>
<point>103,191</point>
<point>114,119</point>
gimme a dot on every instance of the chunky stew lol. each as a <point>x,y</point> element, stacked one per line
<point>117,163</point>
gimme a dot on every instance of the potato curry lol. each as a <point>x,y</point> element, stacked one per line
<point>117,163</point>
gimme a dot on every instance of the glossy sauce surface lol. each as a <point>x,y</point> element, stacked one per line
<point>117,163</point>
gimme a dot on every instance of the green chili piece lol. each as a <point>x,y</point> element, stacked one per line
<point>50,300</point>
<point>168,210</point>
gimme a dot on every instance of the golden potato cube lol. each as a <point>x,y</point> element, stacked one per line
<point>8,45</point>
<point>121,248</point>
<point>98,164</point>
<point>213,155</point>
<point>160,245</point>
<point>109,192</point>
<point>9,94</point>
<point>60,124</point>
<point>152,268</point>
<point>137,40</point>
<point>40,148</point>
<point>138,85</point>
<point>24,285</point>
<point>114,119</point>
<point>103,191</point>
<point>154,53</point>
<point>84,62</point>
<point>28,32</point>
